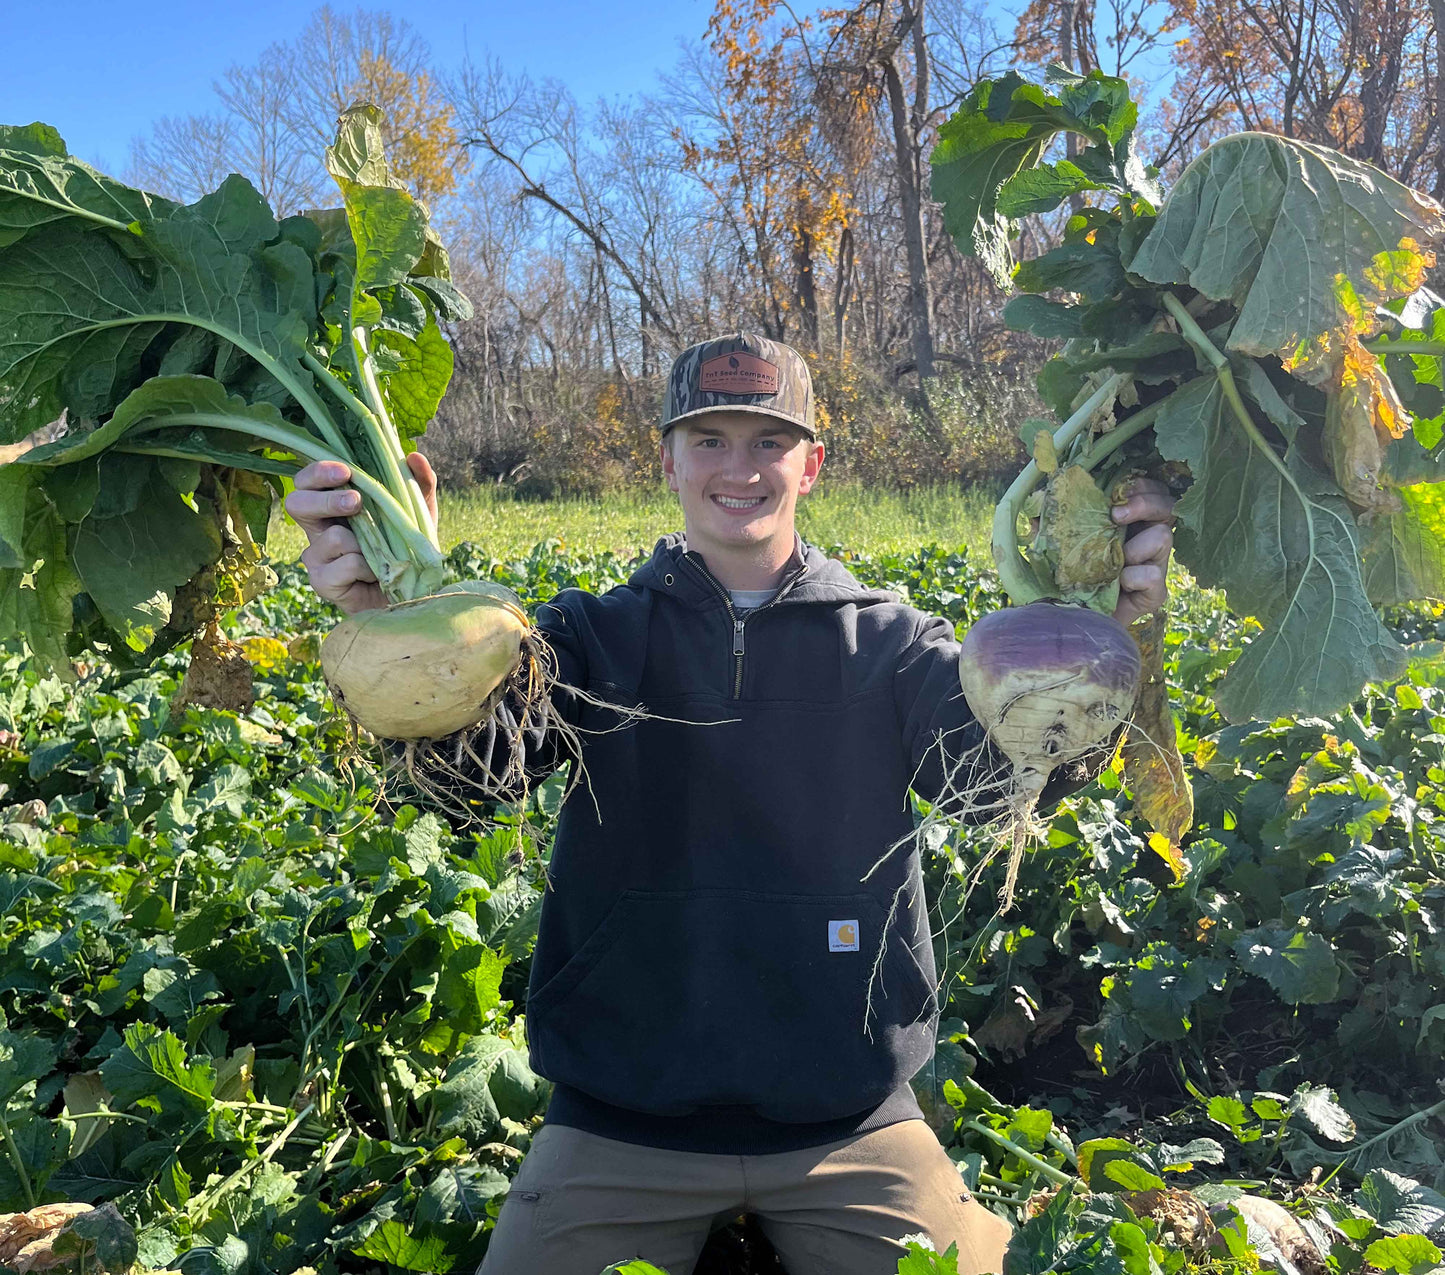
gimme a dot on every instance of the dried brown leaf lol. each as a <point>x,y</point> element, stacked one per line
<point>1153,768</point>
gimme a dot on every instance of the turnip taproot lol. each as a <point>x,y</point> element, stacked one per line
<point>427,667</point>
<point>1048,681</point>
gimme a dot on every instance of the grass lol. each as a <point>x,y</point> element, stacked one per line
<point>863,519</point>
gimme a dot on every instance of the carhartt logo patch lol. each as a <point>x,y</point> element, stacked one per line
<point>739,373</point>
<point>842,936</point>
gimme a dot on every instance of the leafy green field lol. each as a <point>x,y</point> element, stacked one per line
<point>276,1013</point>
<point>867,520</point>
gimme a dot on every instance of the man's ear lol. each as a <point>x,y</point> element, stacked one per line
<point>811,466</point>
<point>669,470</point>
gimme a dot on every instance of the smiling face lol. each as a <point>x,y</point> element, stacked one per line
<point>738,476</point>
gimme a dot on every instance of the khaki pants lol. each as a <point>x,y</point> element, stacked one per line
<point>580,1202</point>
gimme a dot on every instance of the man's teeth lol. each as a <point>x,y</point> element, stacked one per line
<point>730,502</point>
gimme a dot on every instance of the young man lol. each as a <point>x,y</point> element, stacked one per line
<point>730,992</point>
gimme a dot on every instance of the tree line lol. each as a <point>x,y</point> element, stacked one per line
<point>776,179</point>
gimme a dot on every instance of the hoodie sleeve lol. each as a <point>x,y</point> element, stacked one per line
<point>953,763</point>
<point>544,749</point>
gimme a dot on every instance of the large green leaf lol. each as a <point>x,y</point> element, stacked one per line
<point>1302,240</point>
<point>84,313</point>
<point>1038,1244</point>
<point>394,1245</point>
<point>1090,269</point>
<point>36,602</point>
<point>1026,312</point>
<point>14,499</point>
<point>1300,966</point>
<point>160,401</point>
<point>151,1069</point>
<point>24,1059</point>
<point>489,1079</point>
<point>40,183</point>
<point>986,168</point>
<point>388,226</point>
<point>132,564</point>
<point>1404,1254</point>
<point>1399,1203</point>
<point>135,536</point>
<point>1404,552</point>
<point>418,373</point>
<point>1281,542</point>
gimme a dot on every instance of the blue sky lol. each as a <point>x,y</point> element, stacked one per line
<point>102,72</point>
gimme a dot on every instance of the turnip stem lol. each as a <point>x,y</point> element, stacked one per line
<point>1042,1167</point>
<point>382,434</point>
<point>1199,339</point>
<point>974,1090</point>
<point>418,546</point>
<point>337,389</point>
<point>1384,345</point>
<point>388,442</point>
<point>1014,572</point>
<point>1106,444</point>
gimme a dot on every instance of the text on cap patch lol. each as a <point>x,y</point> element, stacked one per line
<point>738,373</point>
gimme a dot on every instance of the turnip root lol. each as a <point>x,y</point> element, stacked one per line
<point>1049,682</point>
<point>452,683</point>
<point>428,667</point>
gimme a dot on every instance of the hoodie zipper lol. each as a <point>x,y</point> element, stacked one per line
<point>738,648</point>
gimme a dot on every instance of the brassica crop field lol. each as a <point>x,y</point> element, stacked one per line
<point>272,1007</point>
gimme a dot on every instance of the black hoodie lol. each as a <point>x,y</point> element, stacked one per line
<point>729,960</point>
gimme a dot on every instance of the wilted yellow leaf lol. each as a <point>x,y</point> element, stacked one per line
<point>265,653</point>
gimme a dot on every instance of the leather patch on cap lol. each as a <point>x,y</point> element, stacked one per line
<point>738,373</point>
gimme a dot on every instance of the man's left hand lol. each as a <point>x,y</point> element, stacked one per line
<point>1148,518</point>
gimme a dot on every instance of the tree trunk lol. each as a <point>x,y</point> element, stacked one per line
<point>907,156</point>
<point>843,288</point>
<point>1437,13</point>
<point>804,285</point>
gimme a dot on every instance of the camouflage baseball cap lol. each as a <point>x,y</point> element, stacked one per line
<point>740,373</point>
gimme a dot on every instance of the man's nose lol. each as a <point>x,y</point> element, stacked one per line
<point>741,466</point>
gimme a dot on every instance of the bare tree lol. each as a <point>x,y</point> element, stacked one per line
<point>278,115</point>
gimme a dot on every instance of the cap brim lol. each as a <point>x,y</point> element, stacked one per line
<point>756,408</point>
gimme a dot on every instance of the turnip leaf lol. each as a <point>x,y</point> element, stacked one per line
<point>1299,965</point>
<point>151,1068</point>
<point>84,312</point>
<point>418,370</point>
<point>1271,225</point>
<point>14,495</point>
<point>393,1245</point>
<point>36,601</point>
<point>1404,1254</point>
<point>1026,312</point>
<point>985,164</point>
<point>1091,269</point>
<point>132,564</point>
<point>1399,1203</point>
<point>40,183</point>
<point>1404,552</point>
<point>1281,542</point>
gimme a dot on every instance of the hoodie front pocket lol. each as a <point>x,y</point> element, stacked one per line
<point>792,1004</point>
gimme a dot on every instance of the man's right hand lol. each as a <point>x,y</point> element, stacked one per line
<point>321,504</point>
